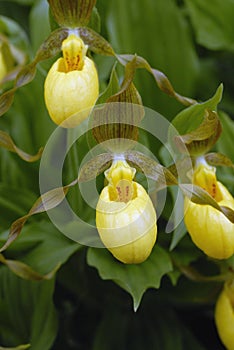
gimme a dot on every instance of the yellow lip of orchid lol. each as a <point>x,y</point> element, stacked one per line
<point>125,216</point>
<point>71,86</point>
<point>209,229</point>
<point>74,51</point>
<point>224,315</point>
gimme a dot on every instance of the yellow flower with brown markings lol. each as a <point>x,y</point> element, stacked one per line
<point>125,216</point>
<point>209,229</point>
<point>224,316</point>
<point>71,86</point>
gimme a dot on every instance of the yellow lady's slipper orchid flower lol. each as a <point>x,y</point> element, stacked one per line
<point>224,316</point>
<point>6,59</point>
<point>71,86</point>
<point>125,216</point>
<point>209,229</point>
<point>3,67</point>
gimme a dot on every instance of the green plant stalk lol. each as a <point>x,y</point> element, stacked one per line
<point>73,166</point>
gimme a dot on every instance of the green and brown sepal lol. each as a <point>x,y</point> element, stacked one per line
<point>71,13</point>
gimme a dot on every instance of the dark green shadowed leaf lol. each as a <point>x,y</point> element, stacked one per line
<point>27,312</point>
<point>26,272</point>
<point>135,279</point>
<point>39,239</point>
<point>20,347</point>
<point>7,143</point>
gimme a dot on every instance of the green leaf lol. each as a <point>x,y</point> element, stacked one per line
<point>178,213</point>
<point>203,138</point>
<point>184,254</point>
<point>213,23</point>
<point>24,271</point>
<point>24,2</point>
<point>41,239</point>
<point>165,50</point>
<point>225,146</point>
<point>14,202</point>
<point>27,313</point>
<point>225,142</point>
<point>20,347</point>
<point>95,20</point>
<point>135,279</point>
<point>156,326</point>
<point>191,117</point>
<point>39,33</point>
<point>46,201</point>
<point>51,244</point>
<point>14,32</point>
<point>112,87</point>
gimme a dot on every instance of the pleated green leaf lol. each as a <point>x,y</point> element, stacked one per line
<point>135,279</point>
<point>190,118</point>
<point>213,23</point>
<point>47,201</point>
<point>159,32</point>
<point>25,271</point>
<point>27,312</point>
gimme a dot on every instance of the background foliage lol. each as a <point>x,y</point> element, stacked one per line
<point>90,302</point>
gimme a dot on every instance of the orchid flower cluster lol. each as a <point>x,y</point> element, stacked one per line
<point>126,218</point>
